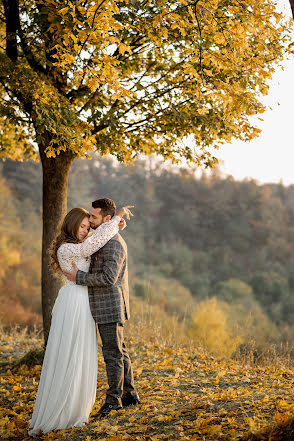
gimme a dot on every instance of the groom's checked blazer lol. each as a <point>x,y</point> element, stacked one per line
<point>107,282</point>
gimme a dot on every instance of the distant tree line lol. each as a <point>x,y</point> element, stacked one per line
<point>214,236</point>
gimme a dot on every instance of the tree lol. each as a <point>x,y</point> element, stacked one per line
<point>129,77</point>
<point>234,291</point>
<point>210,328</point>
<point>292,7</point>
<point>271,289</point>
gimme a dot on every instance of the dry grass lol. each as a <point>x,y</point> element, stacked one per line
<point>21,338</point>
<point>186,393</point>
<point>151,324</point>
<point>279,355</point>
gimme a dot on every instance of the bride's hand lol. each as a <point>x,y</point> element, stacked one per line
<point>122,225</point>
<point>125,211</point>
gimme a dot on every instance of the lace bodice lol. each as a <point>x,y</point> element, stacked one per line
<point>80,252</point>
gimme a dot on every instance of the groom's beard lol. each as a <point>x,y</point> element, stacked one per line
<point>96,226</point>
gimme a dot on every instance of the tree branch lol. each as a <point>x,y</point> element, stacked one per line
<point>12,23</point>
<point>93,21</point>
<point>28,53</point>
<point>13,27</point>
<point>162,93</point>
<point>292,7</point>
<point>25,104</point>
<point>143,122</point>
<point>58,78</point>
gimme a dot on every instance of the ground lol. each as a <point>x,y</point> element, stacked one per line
<point>185,395</point>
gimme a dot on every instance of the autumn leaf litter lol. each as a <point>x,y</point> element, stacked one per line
<point>184,396</point>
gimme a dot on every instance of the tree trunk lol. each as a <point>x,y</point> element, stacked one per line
<point>55,178</point>
<point>12,24</point>
<point>292,6</point>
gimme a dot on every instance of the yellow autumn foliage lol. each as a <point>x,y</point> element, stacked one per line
<point>132,79</point>
<point>9,252</point>
<point>210,329</point>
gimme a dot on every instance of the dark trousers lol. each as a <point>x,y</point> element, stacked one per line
<point>118,364</point>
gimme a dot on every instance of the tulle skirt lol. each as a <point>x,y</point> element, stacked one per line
<point>67,387</point>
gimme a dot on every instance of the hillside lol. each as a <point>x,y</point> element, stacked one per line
<point>186,395</point>
<point>220,244</point>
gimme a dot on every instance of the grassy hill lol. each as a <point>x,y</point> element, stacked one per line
<point>186,394</point>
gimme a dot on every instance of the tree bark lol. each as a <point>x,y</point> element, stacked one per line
<point>12,23</point>
<point>292,6</point>
<point>55,178</point>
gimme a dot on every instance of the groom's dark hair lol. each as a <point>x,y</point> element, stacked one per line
<point>107,206</point>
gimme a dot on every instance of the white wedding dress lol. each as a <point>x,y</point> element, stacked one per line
<point>67,387</point>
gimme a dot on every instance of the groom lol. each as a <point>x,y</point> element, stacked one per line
<point>107,282</point>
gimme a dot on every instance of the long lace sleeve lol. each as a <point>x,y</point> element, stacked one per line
<point>93,243</point>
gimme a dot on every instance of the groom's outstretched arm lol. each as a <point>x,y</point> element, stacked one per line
<point>113,258</point>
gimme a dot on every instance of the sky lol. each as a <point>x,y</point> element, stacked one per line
<point>270,157</point>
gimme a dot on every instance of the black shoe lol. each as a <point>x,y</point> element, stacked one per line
<point>106,409</point>
<point>129,399</point>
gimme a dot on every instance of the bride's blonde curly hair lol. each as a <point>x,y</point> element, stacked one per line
<point>68,233</point>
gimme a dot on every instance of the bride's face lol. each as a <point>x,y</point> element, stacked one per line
<point>84,228</point>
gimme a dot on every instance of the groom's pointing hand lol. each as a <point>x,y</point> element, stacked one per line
<point>71,275</point>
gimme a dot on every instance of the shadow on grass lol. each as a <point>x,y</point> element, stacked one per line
<point>283,432</point>
<point>30,359</point>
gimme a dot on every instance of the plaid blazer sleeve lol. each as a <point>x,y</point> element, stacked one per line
<point>113,258</point>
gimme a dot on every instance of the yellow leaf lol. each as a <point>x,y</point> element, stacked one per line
<point>93,83</point>
<point>165,418</point>
<point>281,418</point>
<point>68,58</point>
<point>139,371</point>
<point>124,48</point>
<point>4,421</point>
<point>204,111</point>
<point>214,429</point>
<point>81,10</point>
<point>252,422</point>
<point>208,72</point>
<point>63,11</point>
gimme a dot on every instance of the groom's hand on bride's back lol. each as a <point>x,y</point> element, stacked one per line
<point>71,275</point>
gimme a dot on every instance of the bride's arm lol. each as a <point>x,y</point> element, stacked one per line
<point>93,243</point>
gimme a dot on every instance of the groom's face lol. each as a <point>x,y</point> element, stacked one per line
<point>96,217</point>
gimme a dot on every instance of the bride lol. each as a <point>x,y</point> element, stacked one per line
<point>67,387</point>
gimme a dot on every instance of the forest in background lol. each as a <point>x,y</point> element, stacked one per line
<point>214,253</point>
